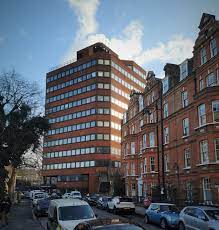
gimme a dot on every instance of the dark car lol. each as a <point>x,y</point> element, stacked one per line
<point>164,214</point>
<point>102,202</point>
<point>110,224</point>
<point>92,199</point>
<point>41,208</point>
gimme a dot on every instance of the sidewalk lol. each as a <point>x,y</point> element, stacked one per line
<point>21,218</point>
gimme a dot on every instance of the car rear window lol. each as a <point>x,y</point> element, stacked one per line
<point>125,199</point>
<point>76,194</point>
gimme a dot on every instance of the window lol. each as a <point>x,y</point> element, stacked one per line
<point>145,165</point>
<point>132,147</point>
<point>206,185</point>
<point>144,141</point>
<point>216,141</point>
<point>151,139</point>
<point>188,191</point>
<point>186,127</point>
<point>152,164</point>
<point>201,115</point>
<point>212,80</point>
<point>187,158</point>
<point>165,110</point>
<point>132,168</point>
<point>141,122</point>
<point>203,56</point>
<point>166,135</point>
<point>184,70</point>
<point>213,47</point>
<point>165,84</point>
<point>185,101</point>
<point>215,108</point>
<point>141,102</point>
<point>166,162</point>
<point>201,84</point>
<point>204,151</point>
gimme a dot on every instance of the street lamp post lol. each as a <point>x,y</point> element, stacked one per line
<point>147,110</point>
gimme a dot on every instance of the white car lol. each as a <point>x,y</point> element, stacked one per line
<point>38,196</point>
<point>65,214</point>
<point>75,195</point>
<point>66,195</point>
<point>33,192</point>
<point>121,204</point>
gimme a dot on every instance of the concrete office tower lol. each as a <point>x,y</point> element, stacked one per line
<point>85,102</point>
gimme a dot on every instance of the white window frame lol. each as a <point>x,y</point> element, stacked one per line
<point>166,135</point>
<point>216,111</point>
<point>187,158</point>
<point>165,110</point>
<point>151,139</point>
<point>213,49</point>
<point>202,114</point>
<point>152,164</point>
<point>204,152</point>
<point>186,127</point>
<point>203,55</point>
<point>132,148</point>
<point>216,149</point>
<point>185,101</point>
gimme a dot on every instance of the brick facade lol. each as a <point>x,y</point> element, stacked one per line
<point>85,101</point>
<point>188,107</point>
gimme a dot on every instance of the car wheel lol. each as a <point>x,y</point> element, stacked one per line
<point>163,224</point>
<point>181,226</point>
<point>146,219</point>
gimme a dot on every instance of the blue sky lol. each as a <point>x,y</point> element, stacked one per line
<point>37,35</point>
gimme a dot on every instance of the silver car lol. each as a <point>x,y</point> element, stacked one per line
<point>199,217</point>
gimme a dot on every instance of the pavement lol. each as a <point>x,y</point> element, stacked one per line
<point>20,218</point>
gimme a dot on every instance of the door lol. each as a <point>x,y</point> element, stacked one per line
<point>189,218</point>
<point>201,220</point>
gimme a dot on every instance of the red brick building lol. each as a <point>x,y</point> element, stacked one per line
<point>182,119</point>
<point>85,101</point>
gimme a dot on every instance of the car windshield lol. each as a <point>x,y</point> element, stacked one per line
<point>171,208</point>
<point>213,214</point>
<point>39,195</point>
<point>125,199</point>
<point>75,212</point>
<point>76,194</point>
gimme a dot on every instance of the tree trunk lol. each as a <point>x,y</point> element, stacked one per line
<point>12,181</point>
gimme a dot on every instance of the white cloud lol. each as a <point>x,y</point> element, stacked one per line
<point>86,12</point>
<point>129,44</point>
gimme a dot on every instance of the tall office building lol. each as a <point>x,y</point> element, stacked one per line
<point>85,101</point>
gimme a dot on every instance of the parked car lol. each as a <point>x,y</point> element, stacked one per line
<point>164,214</point>
<point>38,196</point>
<point>55,195</point>
<point>66,195</point>
<point>121,204</point>
<point>199,217</point>
<point>27,194</point>
<point>33,192</point>
<point>102,201</point>
<point>75,195</point>
<point>92,199</point>
<point>41,207</point>
<point>68,213</point>
<point>112,224</point>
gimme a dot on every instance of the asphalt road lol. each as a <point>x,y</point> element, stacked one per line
<point>104,214</point>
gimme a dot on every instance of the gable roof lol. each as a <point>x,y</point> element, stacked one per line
<point>205,19</point>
